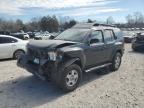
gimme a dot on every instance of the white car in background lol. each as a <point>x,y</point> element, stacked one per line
<point>23,36</point>
<point>11,47</point>
<point>42,36</point>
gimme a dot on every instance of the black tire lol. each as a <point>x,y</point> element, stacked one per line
<point>116,62</point>
<point>64,80</point>
<point>26,38</point>
<point>18,53</point>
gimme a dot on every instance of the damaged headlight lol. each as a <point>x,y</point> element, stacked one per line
<point>52,56</point>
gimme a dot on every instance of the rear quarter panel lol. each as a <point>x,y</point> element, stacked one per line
<point>119,42</point>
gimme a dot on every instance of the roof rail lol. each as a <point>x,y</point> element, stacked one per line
<point>90,25</point>
<point>108,25</point>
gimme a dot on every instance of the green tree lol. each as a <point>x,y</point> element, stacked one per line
<point>43,23</point>
<point>110,20</point>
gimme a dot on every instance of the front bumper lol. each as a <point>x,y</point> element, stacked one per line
<point>43,69</point>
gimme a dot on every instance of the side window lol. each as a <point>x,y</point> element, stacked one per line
<point>96,36</point>
<point>4,40</point>
<point>108,35</point>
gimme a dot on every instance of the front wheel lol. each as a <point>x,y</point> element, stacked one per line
<point>70,78</point>
<point>116,62</point>
<point>18,53</point>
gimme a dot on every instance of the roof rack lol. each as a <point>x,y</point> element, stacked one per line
<point>108,25</point>
<point>90,25</point>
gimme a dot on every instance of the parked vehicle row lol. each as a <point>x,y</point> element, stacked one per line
<point>31,35</point>
<point>42,36</point>
<point>4,33</point>
<point>23,36</point>
<point>83,48</point>
<point>128,36</point>
<point>45,35</point>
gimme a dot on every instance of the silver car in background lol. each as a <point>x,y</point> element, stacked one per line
<point>11,47</point>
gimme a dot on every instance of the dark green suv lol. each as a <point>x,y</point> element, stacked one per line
<point>83,48</point>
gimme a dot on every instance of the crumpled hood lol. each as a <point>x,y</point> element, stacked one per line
<point>50,43</point>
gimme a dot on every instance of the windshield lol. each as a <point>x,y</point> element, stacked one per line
<point>76,35</point>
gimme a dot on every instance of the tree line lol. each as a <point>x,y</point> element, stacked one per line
<point>53,24</point>
<point>135,20</point>
<point>45,23</point>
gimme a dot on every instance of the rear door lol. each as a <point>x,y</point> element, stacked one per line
<point>95,53</point>
<point>7,45</point>
<point>109,39</point>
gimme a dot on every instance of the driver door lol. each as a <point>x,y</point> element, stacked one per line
<point>95,53</point>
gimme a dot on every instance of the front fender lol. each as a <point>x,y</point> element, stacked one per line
<point>56,76</point>
<point>70,62</point>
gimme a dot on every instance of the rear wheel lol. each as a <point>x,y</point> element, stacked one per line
<point>116,62</point>
<point>70,78</point>
<point>18,53</point>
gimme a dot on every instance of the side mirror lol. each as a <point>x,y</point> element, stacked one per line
<point>92,41</point>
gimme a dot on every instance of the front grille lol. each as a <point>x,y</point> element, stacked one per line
<point>33,53</point>
<point>37,53</point>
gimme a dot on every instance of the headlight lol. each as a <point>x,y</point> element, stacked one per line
<point>52,56</point>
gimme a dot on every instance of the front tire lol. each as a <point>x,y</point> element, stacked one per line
<point>18,53</point>
<point>70,78</point>
<point>116,62</point>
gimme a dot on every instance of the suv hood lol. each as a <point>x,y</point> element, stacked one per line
<point>50,43</point>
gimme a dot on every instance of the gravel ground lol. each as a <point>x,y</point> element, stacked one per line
<point>121,89</point>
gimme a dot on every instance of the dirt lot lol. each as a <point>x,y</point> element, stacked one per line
<point>121,89</point>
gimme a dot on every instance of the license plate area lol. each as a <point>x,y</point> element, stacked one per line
<point>36,60</point>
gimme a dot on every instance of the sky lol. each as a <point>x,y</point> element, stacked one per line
<point>79,10</point>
